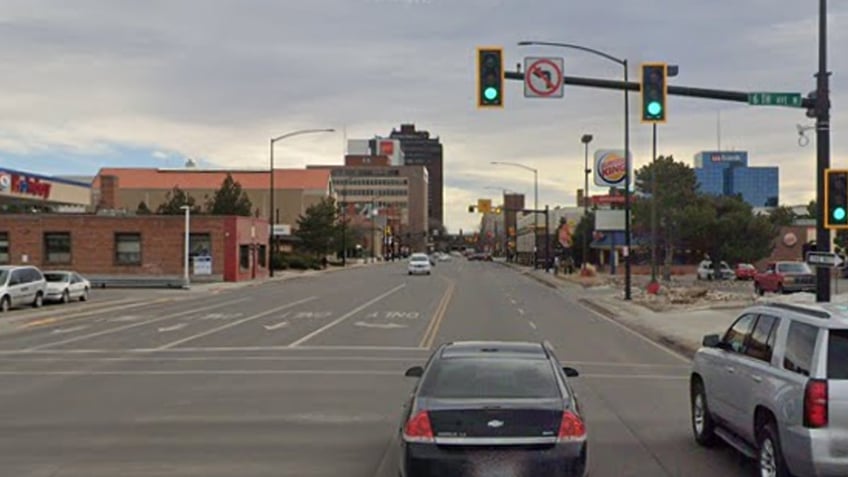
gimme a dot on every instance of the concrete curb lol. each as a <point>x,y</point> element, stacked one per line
<point>686,349</point>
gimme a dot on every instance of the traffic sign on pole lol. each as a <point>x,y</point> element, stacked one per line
<point>824,259</point>
<point>544,77</point>
<point>775,99</point>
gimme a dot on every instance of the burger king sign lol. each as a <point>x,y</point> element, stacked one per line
<point>611,168</point>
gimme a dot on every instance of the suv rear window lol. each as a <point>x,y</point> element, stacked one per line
<point>837,355</point>
<point>463,378</point>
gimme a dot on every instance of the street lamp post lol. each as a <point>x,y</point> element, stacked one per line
<point>586,139</point>
<point>187,249</point>
<point>505,231</point>
<point>535,206</point>
<point>271,212</point>
<point>627,178</point>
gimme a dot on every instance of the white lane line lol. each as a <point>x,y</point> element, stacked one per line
<point>345,316</point>
<point>637,334</point>
<point>69,330</point>
<point>212,349</point>
<point>276,326</point>
<point>513,301</point>
<point>532,325</point>
<point>133,325</point>
<point>149,357</point>
<point>385,326</point>
<point>236,323</point>
<point>521,311</point>
<point>566,362</point>
<point>238,372</point>
<point>176,327</point>
<point>635,376</point>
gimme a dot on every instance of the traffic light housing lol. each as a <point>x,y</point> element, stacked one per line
<point>490,77</point>
<point>836,199</point>
<point>654,92</point>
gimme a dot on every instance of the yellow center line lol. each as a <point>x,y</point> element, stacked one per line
<point>439,316</point>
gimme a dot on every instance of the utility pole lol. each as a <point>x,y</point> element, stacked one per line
<point>547,240</point>
<point>586,139</point>
<point>822,153</point>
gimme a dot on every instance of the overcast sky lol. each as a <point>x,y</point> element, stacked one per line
<point>103,83</point>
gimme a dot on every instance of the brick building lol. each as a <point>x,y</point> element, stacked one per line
<point>419,149</point>
<point>294,189</point>
<point>109,247</point>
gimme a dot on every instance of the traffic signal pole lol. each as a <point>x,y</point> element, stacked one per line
<point>822,108</point>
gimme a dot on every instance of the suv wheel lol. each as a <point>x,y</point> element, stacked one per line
<point>702,423</point>
<point>39,300</point>
<point>5,304</point>
<point>770,456</point>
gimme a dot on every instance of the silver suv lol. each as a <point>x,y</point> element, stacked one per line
<point>775,387</point>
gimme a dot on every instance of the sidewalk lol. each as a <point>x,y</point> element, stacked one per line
<point>681,329</point>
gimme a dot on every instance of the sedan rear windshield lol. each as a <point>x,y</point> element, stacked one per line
<point>56,277</point>
<point>837,355</point>
<point>463,378</point>
<point>419,259</point>
<point>794,268</point>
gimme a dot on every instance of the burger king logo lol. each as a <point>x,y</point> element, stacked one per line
<point>611,167</point>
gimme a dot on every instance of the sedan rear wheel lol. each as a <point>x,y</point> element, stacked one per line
<point>66,296</point>
<point>84,296</point>
<point>5,304</point>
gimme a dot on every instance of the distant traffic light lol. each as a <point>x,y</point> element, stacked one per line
<point>654,92</point>
<point>490,77</point>
<point>836,199</point>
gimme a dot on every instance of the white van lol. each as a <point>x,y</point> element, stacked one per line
<point>21,286</point>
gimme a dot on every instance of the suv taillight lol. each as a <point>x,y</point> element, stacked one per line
<point>815,403</point>
<point>418,429</point>
<point>571,428</point>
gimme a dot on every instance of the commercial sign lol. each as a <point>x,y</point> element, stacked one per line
<point>611,168</point>
<point>14,183</point>
<point>283,230</point>
<point>727,157</point>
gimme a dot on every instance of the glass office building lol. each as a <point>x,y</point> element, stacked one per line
<point>728,173</point>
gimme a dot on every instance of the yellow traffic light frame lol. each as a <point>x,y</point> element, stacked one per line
<point>478,60</point>
<point>826,209</point>
<point>642,68</point>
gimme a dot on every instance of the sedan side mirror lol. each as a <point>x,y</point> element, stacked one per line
<point>711,341</point>
<point>414,372</point>
<point>570,372</point>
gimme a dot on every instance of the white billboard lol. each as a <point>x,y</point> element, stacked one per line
<point>611,168</point>
<point>609,220</point>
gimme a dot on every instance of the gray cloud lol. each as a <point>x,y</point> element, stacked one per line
<point>215,79</point>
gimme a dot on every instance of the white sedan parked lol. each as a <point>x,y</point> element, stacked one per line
<point>66,286</point>
<point>419,263</point>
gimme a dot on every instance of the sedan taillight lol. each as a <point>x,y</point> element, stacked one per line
<point>571,428</point>
<point>418,429</point>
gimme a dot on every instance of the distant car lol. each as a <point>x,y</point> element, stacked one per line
<point>419,264</point>
<point>785,277</point>
<point>65,286</point>
<point>493,408</point>
<point>775,387</point>
<point>745,271</point>
<point>443,257</point>
<point>706,271</point>
<point>21,285</point>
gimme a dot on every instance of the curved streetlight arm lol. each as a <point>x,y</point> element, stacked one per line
<point>514,164</point>
<point>302,131</point>
<point>575,47</point>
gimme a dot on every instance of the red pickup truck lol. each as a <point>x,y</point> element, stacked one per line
<point>785,277</point>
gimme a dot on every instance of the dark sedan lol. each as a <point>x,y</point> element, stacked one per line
<point>484,409</point>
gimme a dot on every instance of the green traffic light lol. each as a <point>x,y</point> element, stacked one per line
<point>490,93</point>
<point>839,214</point>
<point>654,108</point>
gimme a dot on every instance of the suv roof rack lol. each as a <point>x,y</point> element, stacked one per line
<point>801,309</point>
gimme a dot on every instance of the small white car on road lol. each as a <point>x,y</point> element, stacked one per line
<point>65,286</point>
<point>419,263</point>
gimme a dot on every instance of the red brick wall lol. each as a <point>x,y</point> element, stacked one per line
<point>352,160</point>
<point>162,241</point>
<point>784,248</point>
<point>245,231</point>
<point>108,193</point>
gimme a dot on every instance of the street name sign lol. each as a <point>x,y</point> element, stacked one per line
<point>824,259</point>
<point>775,99</point>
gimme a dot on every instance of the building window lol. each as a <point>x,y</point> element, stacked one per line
<point>263,259</point>
<point>128,249</point>
<point>200,245</point>
<point>57,247</point>
<point>4,247</point>
<point>244,257</point>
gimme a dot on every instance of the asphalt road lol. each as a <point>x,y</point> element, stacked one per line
<point>305,378</point>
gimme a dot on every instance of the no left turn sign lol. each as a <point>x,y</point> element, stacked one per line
<point>543,77</point>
